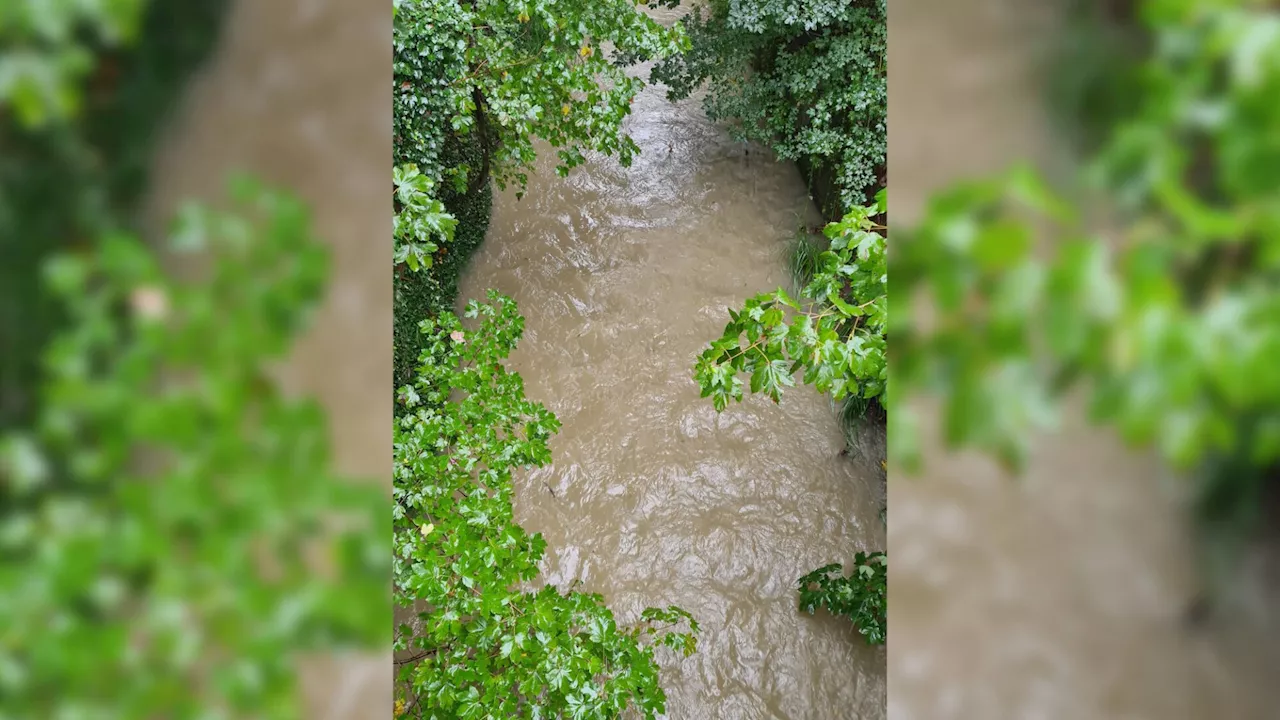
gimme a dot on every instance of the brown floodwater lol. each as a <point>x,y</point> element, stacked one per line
<point>623,275</point>
<point>298,94</point>
<point>1062,595</point>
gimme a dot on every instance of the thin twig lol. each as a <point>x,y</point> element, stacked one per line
<point>415,658</point>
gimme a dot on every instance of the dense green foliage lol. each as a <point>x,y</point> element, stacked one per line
<point>1171,324</point>
<point>484,647</point>
<point>45,60</point>
<point>835,338</point>
<point>420,219</point>
<point>156,513</point>
<point>807,79</point>
<point>860,596</point>
<point>513,72</point>
<point>433,290</point>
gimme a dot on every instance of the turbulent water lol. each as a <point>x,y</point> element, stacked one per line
<point>624,274</point>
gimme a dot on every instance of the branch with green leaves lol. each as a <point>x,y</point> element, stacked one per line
<point>860,596</point>
<point>834,334</point>
<point>420,219</point>
<point>515,72</point>
<point>483,646</point>
<point>1012,333</point>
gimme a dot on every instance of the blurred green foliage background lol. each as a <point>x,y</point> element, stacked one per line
<point>171,531</point>
<point>1150,286</point>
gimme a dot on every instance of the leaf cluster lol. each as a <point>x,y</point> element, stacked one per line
<point>861,596</point>
<point>420,219</point>
<point>834,334</point>
<point>49,49</point>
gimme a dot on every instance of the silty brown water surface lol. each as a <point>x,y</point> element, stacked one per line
<point>623,275</point>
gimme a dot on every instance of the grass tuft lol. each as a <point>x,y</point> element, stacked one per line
<point>802,252</point>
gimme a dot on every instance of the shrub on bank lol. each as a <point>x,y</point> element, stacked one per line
<point>859,596</point>
<point>432,290</point>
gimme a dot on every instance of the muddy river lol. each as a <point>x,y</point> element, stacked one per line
<point>624,274</point>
